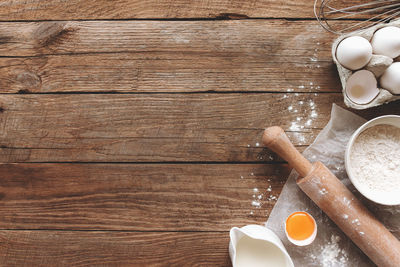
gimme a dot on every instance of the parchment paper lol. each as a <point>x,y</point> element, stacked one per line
<point>331,247</point>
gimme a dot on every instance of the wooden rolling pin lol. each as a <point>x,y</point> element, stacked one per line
<point>337,202</point>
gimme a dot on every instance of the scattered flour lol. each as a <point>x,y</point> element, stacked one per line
<point>258,197</point>
<point>307,109</point>
<point>256,203</point>
<point>323,191</point>
<point>331,254</point>
<point>313,114</point>
<point>375,159</point>
<point>346,201</point>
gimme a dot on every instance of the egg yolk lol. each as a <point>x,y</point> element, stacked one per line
<point>300,225</point>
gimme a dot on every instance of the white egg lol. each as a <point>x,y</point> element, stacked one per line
<point>354,52</point>
<point>386,41</point>
<point>362,87</point>
<point>390,79</point>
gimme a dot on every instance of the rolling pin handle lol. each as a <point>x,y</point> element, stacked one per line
<point>275,138</point>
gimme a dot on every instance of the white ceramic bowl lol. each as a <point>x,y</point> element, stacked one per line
<point>390,198</point>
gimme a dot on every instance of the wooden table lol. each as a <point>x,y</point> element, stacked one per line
<point>130,129</point>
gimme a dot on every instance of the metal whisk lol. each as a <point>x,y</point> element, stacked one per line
<point>354,15</point>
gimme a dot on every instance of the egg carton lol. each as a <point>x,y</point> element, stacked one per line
<point>377,65</point>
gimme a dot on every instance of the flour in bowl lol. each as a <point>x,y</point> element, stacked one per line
<point>375,158</point>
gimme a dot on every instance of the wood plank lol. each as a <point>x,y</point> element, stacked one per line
<point>156,127</point>
<point>166,9</point>
<point>146,197</point>
<point>158,56</point>
<point>59,248</point>
<point>128,9</point>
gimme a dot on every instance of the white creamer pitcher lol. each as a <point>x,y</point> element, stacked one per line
<point>257,246</point>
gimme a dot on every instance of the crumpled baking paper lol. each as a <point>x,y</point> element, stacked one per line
<point>331,247</point>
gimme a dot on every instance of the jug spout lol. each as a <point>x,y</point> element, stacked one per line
<point>235,235</point>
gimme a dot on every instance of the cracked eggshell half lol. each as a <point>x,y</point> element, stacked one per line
<point>354,52</point>
<point>390,79</point>
<point>362,87</point>
<point>386,41</point>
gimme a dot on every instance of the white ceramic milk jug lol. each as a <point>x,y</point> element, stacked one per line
<point>257,246</point>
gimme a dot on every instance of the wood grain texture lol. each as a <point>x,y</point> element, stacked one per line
<point>155,127</point>
<point>59,248</point>
<point>166,56</point>
<point>146,197</point>
<point>162,9</point>
<point>158,127</point>
<point>128,9</point>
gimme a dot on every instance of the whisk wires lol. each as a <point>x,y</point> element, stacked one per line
<point>357,16</point>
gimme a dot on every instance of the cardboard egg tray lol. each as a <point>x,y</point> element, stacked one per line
<point>377,65</point>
